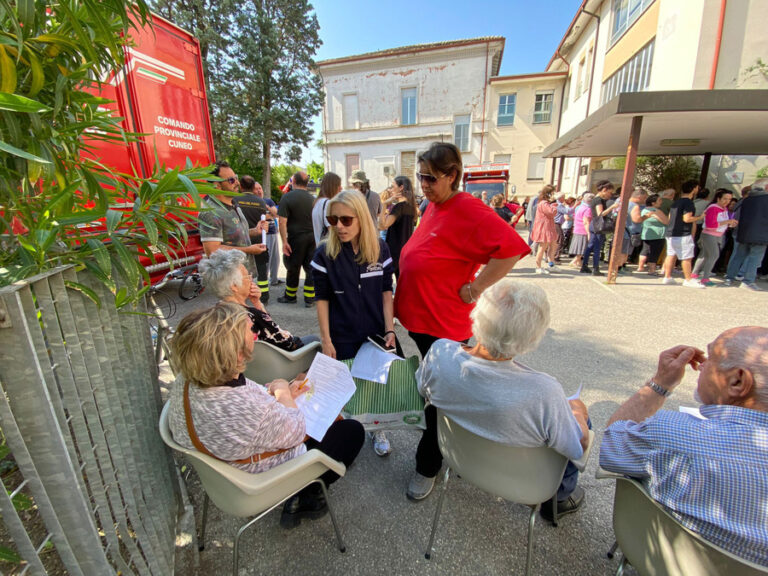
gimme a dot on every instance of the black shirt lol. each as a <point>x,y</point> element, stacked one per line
<point>252,206</point>
<point>296,206</point>
<point>596,201</point>
<point>677,227</point>
<point>399,233</point>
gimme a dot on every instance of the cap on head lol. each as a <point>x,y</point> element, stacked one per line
<point>358,177</point>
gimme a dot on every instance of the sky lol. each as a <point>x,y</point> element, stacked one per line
<point>532,28</point>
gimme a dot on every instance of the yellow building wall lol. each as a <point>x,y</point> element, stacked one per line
<point>642,31</point>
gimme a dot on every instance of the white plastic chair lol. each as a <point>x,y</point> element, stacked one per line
<point>527,476</point>
<point>269,362</point>
<point>656,544</point>
<point>242,494</point>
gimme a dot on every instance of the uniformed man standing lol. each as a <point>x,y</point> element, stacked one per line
<point>254,207</point>
<point>296,232</point>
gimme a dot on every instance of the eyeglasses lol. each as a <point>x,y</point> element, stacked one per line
<point>231,180</point>
<point>346,221</point>
<point>429,177</point>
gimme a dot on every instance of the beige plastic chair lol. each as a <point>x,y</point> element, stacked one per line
<point>527,476</point>
<point>656,544</point>
<point>244,495</point>
<point>269,362</point>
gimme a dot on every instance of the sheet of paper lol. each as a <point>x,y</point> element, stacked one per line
<point>263,232</point>
<point>328,388</point>
<point>372,363</point>
<point>692,411</point>
<point>577,395</point>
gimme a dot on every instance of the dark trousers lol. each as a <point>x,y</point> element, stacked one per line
<point>302,251</point>
<point>560,241</point>
<point>262,275</point>
<point>429,460</point>
<point>342,442</point>
<point>593,247</point>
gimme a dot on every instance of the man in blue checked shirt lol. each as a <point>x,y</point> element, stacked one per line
<point>711,473</point>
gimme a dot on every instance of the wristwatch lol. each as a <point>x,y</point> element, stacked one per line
<point>658,389</point>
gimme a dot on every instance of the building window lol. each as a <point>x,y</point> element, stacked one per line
<point>349,112</point>
<point>579,79</point>
<point>535,167</point>
<point>506,109</point>
<point>542,110</point>
<point>566,93</point>
<point>634,76</point>
<point>502,158</point>
<point>588,68</point>
<point>461,132</point>
<point>625,12</point>
<point>352,163</point>
<point>408,97</point>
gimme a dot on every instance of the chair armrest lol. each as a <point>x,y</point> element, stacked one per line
<point>581,463</point>
<point>603,474</point>
<point>295,354</point>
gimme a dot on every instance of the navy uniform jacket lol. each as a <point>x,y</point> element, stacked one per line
<point>353,291</point>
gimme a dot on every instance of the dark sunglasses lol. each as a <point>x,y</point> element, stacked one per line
<point>429,178</point>
<point>346,221</point>
<point>231,180</point>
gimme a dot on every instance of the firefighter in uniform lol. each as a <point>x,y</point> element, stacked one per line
<point>253,208</point>
<point>296,232</point>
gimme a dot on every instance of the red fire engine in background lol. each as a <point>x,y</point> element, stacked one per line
<point>493,178</point>
<point>160,92</point>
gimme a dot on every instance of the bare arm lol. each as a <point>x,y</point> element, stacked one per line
<point>660,216</point>
<point>494,271</point>
<point>389,318</point>
<point>646,402</point>
<point>323,315</point>
<point>283,226</point>
<point>281,390</point>
<point>210,246</point>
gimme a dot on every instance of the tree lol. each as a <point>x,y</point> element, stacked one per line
<point>657,173</point>
<point>262,89</point>
<point>57,205</point>
<point>315,171</point>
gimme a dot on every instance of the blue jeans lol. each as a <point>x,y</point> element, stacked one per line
<point>595,246</point>
<point>750,255</point>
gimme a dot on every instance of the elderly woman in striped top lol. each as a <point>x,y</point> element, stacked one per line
<point>216,410</point>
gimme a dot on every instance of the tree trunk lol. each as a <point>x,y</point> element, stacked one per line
<point>266,151</point>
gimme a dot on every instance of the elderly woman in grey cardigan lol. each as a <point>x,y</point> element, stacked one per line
<point>487,391</point>
<point>225,274</point>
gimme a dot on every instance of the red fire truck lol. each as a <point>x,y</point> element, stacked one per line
<point>493,178</point>
<point>160,92</point>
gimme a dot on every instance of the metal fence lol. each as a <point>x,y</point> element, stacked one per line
<point>79,406</point>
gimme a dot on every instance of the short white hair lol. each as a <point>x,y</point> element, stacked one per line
<point>747,348</point>
<point>510,318</point>
<point>221,271</point>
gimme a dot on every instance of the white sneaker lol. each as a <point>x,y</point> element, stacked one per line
<point>381,444</point>
<point>539,271</point>
<point>751,286</point>
<point>419,487</point>
<point>693,284</point>
<point>666,280</point>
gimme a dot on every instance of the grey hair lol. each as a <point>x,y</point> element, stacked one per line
<point>637,192</point>
<point>221,271</point>
<point>747,348</point>
<point>510,318</point>
<point>588,197</point>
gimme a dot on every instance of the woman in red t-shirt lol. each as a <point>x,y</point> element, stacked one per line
<point>438,285</point>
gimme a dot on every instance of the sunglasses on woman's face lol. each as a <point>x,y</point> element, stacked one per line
<point>346,221</point>
<point>429,177</point>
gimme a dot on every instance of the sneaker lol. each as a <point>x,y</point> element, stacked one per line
<point>551,264</point>
<point>597,272</point>
<point>277,282</point>
<point>739,277</point>
<point>695,276</point>
<point>381,444</point>
<point>286,300</point>
<point>585,270</point>
<point>693,284</point>
<point>539,271</point>
<point>666,280</point>
<point>419,487</point>
<point>707,282</point>
<point>309,503</point>
<point>751,286</point>
<point>309,303</point>
<point>727,282</point>
<point>564,507</point>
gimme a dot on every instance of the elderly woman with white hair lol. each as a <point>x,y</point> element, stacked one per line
<point>485,390</point>
<point>225,274</point>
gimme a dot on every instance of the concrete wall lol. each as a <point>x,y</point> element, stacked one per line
<point>523,137</point>
<point>449,83</point>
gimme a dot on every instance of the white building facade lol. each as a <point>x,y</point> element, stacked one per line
<point>615,46</point>
<point>384,108</point>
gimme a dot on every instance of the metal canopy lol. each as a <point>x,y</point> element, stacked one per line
<point>682,122</point>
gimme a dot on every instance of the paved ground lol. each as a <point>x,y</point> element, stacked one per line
<point>606,337</point>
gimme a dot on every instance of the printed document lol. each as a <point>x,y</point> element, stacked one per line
<point>372,363</point>
<point>328,387</point>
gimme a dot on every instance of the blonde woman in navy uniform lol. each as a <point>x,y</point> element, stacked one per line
<point>352,269</point>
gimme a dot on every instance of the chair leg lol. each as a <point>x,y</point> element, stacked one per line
<point>243,528</point>
<point>428,553</point>
<point>622,565</point>
<point>613,549</point>
<point>342,547</point>
<point>201,541</point>
<point>531,523</point>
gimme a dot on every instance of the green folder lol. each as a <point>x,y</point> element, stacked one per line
<point>394,405</point>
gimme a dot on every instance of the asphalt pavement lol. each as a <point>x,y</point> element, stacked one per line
<point>605,337</point>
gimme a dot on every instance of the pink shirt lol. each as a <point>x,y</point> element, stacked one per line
<point>714,216</point>
<point>578,219</point>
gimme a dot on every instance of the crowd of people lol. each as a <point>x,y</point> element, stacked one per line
<point>451,286</point>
